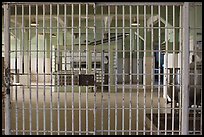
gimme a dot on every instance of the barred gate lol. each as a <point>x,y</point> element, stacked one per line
<point>102,68</point>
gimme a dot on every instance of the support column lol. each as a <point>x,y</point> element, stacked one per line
<point>7,68</point>
<point>185,71</point>
<point>149,60</point>
<point>147,76</point>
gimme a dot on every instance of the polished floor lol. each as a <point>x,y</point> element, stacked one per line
<point>62,122</point>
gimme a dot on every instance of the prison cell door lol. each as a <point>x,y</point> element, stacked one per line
<point>88,68</point>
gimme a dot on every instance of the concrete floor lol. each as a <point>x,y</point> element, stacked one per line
<point>91,98</point>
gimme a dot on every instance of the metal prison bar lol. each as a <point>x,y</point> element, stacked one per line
<point>102,68</point>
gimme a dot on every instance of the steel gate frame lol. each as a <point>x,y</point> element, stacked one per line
<point>185,63</point>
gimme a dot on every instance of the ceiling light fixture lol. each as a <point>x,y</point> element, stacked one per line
<point>84,17</point>
<point>53,35</point>
<point>134,23</point>
<point>34,24</point>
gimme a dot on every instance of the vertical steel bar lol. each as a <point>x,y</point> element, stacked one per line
<point>37,104</point>
<point>30,69</point>
<point>58,70</point>
<point>152,55</point>
<point>123,99</point>
<point>180,58</point>
<point>116,72</point>
<point>201,95</point>
<point>16,69</point>
<point>94,6</point>
<point>138,53</point>
<point>102,61</point>
<point>159,83</point>
<point>7,67</point>
<point>109,70</point>
<point>144,80</point>
<point>195,72</point>
<point>201,111</point>
<point>44,102</point>
<point>185,72</point>
<point>173,83</point>
<point>51,76</point>
<point>87,61</point>
<point>23,109</point>
<point>22,34</point>
<point>201,100</point>
<point>72,69</point>
<point>79,68</point>
<point>65,56</point>
<point>166,60</point>
<point>130,105</point>
<point>200,77</point>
